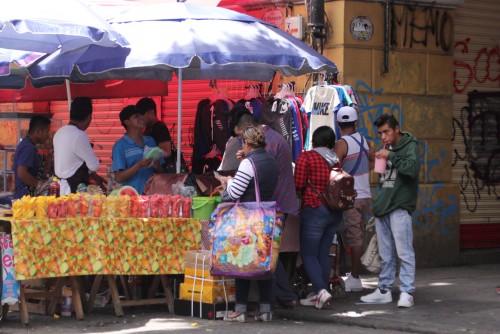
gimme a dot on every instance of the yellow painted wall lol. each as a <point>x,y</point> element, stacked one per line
<point>418,89</point>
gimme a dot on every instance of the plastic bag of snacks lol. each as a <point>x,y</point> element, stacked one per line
<point>112,203</point>
<point>123,206</point>
<point>154,205</point>
<point>99,205</point>
<point>62,207</point>
<point>73,202</point>
<point>143,207</point>
<point>84,204</point>
<point>186,207</point>
<point>154,153</point>
<point>52,207</point>
<point>23,208</point>
<point>165,206</point>
<point>176,206</point>
<point>41,204</point>
<point>134,206</point>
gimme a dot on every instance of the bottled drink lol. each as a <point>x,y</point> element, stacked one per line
<point>67,300</point>
<point>82,188</point>
<point>54,189</point>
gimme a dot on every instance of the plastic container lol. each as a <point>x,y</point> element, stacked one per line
<point>204,206</point>
<point>54,188</point>
<point>67,301</point>
<point>380,165</point>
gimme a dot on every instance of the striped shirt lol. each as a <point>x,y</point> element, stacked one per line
<point>237,186</point>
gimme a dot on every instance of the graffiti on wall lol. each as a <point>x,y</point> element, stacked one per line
<point>434,207</point>
<point>483,69</point>
<point>426,26</point>
<point>479,127</point>
<point>431,205</point>
<point>369,111</point>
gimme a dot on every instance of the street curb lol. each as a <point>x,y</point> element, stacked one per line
<point>311,315</point>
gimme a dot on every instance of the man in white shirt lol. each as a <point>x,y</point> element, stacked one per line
<point>357,158</point>
<point>74,159</point>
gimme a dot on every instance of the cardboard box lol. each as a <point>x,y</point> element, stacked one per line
<point>197,264</point>
<point>208,311</point>
<point>198,258</point>
<point>215,281</point>
<point>209,282</point>
<point>208,294</point>
<point>198,272</point>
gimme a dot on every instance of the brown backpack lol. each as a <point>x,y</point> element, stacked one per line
<point>339,193</point>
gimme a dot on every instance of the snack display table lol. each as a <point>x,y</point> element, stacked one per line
<point>73,247</point>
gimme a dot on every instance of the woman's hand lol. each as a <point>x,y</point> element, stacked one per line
<point>219,189</point>
<point>240,155</point>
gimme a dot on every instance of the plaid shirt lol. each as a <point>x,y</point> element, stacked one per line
<point>313,167</point>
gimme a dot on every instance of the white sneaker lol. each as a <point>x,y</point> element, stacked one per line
<point>324,298</point>
<point>405,300</point>
<point>377,297</point>
<point>352,284</point>
<point>310,300</point>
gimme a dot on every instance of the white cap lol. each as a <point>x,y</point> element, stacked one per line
<point>347,114</point>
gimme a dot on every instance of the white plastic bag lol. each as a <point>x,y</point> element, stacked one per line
<point>371,259</point>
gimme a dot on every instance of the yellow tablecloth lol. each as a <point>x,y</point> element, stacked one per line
<point>89,246</point>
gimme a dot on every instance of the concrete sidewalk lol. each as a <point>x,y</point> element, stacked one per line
<point>447,300</point>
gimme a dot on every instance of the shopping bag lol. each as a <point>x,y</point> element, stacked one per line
<point>371,259</point>
<point>246,238</point>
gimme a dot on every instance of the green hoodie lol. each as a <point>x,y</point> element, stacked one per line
<point>399,184</point>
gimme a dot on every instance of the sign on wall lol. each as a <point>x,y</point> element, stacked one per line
<point>361,28</point>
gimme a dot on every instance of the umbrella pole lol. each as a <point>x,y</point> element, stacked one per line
<point>179,120</point>
<point>68,93</point>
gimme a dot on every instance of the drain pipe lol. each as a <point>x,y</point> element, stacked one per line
<point>317,21</point>
<point>386,37</point>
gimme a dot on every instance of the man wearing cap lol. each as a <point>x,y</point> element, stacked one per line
<point>357,158</point>
<point>129,164</point>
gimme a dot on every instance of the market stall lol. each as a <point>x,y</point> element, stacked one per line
<point>106,236</point>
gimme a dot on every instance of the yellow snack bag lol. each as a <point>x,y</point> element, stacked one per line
<point>27,207</point>
<point>41,205</point>
<point>17,206</point>
<point>112,209</point>
<point>123,206</point>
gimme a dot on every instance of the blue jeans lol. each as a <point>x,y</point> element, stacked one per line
<point>395,239</point>
<point>242,290</point>
<point>317,228</point>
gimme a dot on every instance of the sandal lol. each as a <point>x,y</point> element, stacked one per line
<point>236,317</point>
